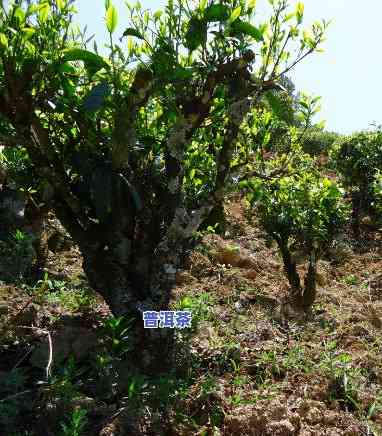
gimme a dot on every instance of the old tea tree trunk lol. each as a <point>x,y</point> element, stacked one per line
<point>111,143</point>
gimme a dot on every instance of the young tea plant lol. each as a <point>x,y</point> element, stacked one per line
<point>301,213</point>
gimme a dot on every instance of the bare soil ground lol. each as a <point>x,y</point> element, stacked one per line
<point>256,369</point>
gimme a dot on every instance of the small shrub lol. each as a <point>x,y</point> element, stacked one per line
<point>317,141</point>
<point>358,159</point>
<point>377,192</point>
<point>302,213</point>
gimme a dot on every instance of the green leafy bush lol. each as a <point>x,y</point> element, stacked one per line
<point>377,192</point>
<point>317,141</point>
<point>358,160</point>
<point>301,212</point>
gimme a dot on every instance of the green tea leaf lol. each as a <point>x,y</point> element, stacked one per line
<point>69,88</point>
<point>93,68</point>
<point>3,41</point>
<point>196,34</point>
<point>89,58</point>
<point>130,31</point>
<point>183,73</point>
<point>239,27</point>
<point>216,13</point>
<point>32,9</point>
<point>111,18</point>
<point>279,107</point>
<point>28,32</point>
<point>235,14</point>
<point>19,14</point>
<point>61,4</point>
<point>44,12</point>
<point>158,14</point>
<point>66,68</point>
<point>299,12</point>
<point>202,5</point>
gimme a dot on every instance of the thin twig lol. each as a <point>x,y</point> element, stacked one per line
<point>11,397</point>
<point>272,41</point>
<point>50,359</point>
<point>22,359</point>
<point>50,355</point>
<point>117,413</point>
<point>298,60</point>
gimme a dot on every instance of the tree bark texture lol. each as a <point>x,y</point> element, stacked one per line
<point>302,297</point>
